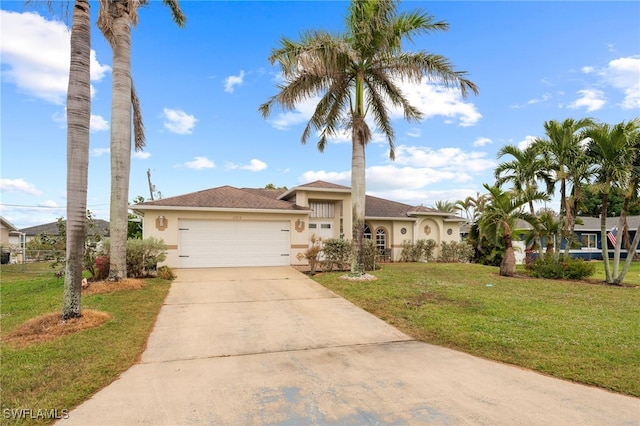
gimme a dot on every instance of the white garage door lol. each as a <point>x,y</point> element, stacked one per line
<point>217,243</point>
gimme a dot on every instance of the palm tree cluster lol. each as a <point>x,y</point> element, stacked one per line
<point>574,156</point>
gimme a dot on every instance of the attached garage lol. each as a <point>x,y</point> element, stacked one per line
<point>220,243</point>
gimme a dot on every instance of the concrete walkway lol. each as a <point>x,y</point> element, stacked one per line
<point>250,346</point>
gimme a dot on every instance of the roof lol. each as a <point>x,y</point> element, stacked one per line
<point>102,228</point>
<point>6,224</point>
<point>226,197</point>
<point>229,197</point>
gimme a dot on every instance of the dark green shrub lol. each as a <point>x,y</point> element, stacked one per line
<point>337,254</point>
<point>566,268</point>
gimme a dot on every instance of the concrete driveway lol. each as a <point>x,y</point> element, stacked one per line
<point>242,346</point>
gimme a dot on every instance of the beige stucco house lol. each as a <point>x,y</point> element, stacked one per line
<point>229,226</point>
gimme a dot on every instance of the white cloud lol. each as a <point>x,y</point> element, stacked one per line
<point>141,155</point>
<point>414,133</point>
<point>481,141</point>
<point>587,69</point>
<point>98,123</point>
<point>591,99</point>
<point>624,74</point>
<point>178,121</point>
<point>452,159</point>
<point>340,178</point>
<point>254,165</point>
<point>18,185</point>
<point>97,152</point>
<point>526,142</point>
<point>35,54</point>
<point>232,81</point>
<point>199,163</point>
<point>436,100</point>
<point>49,204</point>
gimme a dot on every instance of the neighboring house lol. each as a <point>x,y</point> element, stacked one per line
<point>101,228</point>
<point>7,232</point>
<point>228,226</point>
<point>588,239</point>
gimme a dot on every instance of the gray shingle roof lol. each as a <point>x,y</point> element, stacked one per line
<point>224,197</point>
<point>102,228</point>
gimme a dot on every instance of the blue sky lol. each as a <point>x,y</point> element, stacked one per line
<point>201,87</point>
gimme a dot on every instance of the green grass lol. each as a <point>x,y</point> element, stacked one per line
<point>62,373</point>
<point>580,331</point>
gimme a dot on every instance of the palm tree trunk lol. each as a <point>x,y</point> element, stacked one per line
<point>120,138</point>
<point>78,121</point>
<point>603,237</point>
<point>508,264</point>
<point>630,255</point>
<point>358,198</point>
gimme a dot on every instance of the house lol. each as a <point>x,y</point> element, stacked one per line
<point>228,226</point>
<point>101,228</point>
<point>7,231</point>
<point>588,241</point>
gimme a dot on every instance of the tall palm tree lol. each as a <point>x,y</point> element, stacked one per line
<point>561,146</point>
<point>614,150</point>
<point>499,220</point>
<point>115,20</point>
<point>357,75</point>
<point>78,121</point>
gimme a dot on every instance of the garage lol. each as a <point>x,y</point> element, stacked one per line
<point>224,243</point>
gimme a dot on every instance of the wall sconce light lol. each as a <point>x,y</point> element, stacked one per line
<point>161,223</point>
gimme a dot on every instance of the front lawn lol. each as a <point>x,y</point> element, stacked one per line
<point>62,373</point>
<point>581,331</point>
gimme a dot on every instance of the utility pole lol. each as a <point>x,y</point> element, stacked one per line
<point>151,186</point>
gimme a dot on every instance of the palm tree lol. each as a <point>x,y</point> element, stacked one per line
<point>115,20</point>
<point>446,206</point>
<point>499,220</point>
<point>560,149</point>
<point>357,75</point>
<point>614,150</point>
<point>523,172</point>
<point>78,121</point>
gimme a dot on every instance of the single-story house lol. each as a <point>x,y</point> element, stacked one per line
<point>7,232</point>
<point>228,226</point>
<point>588,241</point>
<point>101,228</point>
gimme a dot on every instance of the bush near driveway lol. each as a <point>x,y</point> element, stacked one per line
<point>575,330</point>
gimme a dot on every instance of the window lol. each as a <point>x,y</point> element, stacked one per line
<point>324,210</point>
<point>367,232</point>
<point>590,241</point>
<point>381,240</point>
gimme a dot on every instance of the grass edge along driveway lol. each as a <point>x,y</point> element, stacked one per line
<point>575,330</point>
<point>49,379</point>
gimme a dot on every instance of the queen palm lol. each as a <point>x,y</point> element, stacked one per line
<point>561,147</point>
<point>499,219</point>
<point>78,121</point>
<point>115,20</point>
<point>357,75</point>
<point>614,150</point>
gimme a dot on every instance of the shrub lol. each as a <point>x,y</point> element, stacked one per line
<point>312,253</point>
<point>565,268</point>
<point>102,267</point>
<point>143,256</point>
<point>455,252</point>
<point>337,254</point>
<point>166,273</point>
<point>421,250</point>
<point>370,254</point>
